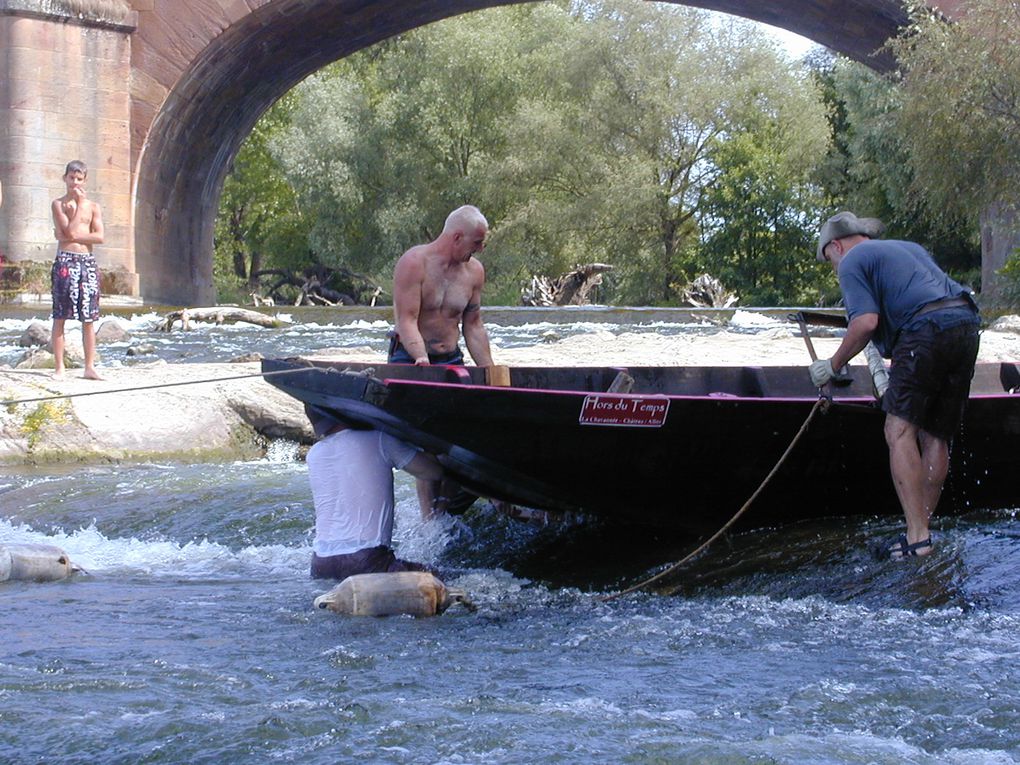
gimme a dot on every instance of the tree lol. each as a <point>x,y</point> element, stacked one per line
<point>384,144</point>
<point>259,224</point>
<point>869,167</point>
<point>649,94</point>
<point>961,117</point>
<point>586,132</point>
<point>760,225</point>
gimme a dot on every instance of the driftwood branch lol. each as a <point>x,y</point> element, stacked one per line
<point>317,285</point>
<point>573,288</point>
<point>708,292</point>
<point>217,315</point>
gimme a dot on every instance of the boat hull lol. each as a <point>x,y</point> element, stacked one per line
<point>685,449</point>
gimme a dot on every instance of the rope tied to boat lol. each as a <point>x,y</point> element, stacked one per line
<point>58,396</point>
<point>821,405</point>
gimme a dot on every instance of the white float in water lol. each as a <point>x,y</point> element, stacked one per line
<point>34,563</point>
<point>416,593</point>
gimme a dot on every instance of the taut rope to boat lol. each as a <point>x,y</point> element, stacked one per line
<point>57,396</point>
<point>821,404</point>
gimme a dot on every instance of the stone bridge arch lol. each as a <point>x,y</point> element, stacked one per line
<point>201,72</point>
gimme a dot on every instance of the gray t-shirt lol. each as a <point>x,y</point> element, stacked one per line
<point>894,279</point>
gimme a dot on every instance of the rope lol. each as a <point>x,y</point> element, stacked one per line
<point>821,404</point>
<point>151,387</point>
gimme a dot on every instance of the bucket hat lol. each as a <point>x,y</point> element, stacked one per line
<point>846,224</point>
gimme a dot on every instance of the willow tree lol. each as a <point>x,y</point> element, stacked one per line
<point>869,168</point>
<point>259,224</point>
<point>961,118</point>
<point>584,131</point>
<point>642,98</point>
<point>384,144</point>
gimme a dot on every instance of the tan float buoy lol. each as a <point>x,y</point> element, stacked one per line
<point>26,562</point>
<point>416,593</point>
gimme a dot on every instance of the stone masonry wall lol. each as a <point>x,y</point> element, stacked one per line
<point>64,95</point>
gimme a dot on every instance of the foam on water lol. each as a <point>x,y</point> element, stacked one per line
<point>756,320</point>
<point>93,548</point>
<point>209,342</point>
<point>281,450</point>
<point>100,555</point>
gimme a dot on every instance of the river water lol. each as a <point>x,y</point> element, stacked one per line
<point>192,639</point>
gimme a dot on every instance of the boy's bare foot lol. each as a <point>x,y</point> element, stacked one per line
<point>91,374</point>
<point>58,374</point>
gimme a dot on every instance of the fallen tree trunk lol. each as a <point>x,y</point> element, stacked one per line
<point>218,315</point>
<point>321,285</point>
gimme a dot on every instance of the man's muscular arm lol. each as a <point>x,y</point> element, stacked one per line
<point>476,337</point>
<point>408,278</point>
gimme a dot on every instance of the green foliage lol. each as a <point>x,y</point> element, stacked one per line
<point>870,168</point>
<point>259,224</point>
<point>1010,274</point>
<point>385,143</point>
<point>585,132</point>
<point>46,415</point>
<point>650,94</point>
<point>961,104</point>
<point>764,223</point>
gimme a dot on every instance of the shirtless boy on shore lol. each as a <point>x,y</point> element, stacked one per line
<point>437,294</point>
<point>77,225</point>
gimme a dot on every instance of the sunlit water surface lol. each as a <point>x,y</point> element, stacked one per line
<point>192,638</point>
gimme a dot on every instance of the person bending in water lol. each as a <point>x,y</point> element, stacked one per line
<point>928,325</point>
<point>78,225</point>
<point>351,475</point>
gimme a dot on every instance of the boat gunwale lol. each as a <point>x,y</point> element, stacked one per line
<point>716,396</point>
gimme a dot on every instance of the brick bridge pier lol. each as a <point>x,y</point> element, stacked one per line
<point>157,95</point>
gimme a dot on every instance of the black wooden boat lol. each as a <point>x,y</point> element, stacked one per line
<point>685,447</point>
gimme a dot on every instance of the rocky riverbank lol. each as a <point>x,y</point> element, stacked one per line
<point>123,418</point>
<point>201,415</point>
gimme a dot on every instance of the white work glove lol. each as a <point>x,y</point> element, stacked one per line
<point>821,372</point>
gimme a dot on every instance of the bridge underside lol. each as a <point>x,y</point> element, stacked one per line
<point>251,64</point>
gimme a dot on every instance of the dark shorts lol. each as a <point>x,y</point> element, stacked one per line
<point>75,281</point>
<point>371,560</point>
<point>929,380</point>
<point>398,354</point>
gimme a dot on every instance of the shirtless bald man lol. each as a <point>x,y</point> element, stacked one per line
<point>437,294</point>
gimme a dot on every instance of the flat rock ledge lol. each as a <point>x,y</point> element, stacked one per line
<point>202,418</point>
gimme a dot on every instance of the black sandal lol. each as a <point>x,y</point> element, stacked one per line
<point>900,549</point>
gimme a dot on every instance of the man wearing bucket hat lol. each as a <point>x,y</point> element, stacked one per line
<point>927,324</point>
